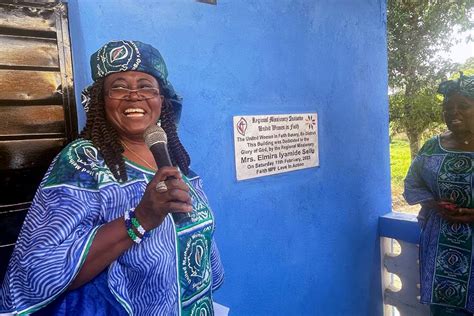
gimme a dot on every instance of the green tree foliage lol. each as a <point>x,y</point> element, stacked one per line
<point>418,32</point>
<point>467,68</point>
<point>415,115</point>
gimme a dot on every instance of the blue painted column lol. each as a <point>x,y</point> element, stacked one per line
<point>299,243</point>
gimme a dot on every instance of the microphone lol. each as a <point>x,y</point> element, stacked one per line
<point>156,139</point>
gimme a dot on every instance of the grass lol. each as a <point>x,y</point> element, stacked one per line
<point>399,163</point>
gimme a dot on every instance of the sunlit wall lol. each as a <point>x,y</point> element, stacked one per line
<point>298,243</point>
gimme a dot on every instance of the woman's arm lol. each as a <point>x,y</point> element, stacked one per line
<point>457,214</point>
<point>109,243</point>
<point>112,238</point>
<point>416,190</point>
<point>450,211</point>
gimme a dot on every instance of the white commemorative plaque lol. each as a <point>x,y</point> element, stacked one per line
<point>271,144</point>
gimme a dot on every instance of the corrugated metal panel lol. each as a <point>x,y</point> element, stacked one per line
<point>37,111</point>
<point>9,216</point>
<point>33,119</point>
<point>27,154</point>
<point>20,18</point>
<point>34,52</point>
<point>32,86</point>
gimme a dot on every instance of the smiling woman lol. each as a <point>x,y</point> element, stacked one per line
<point>458,113</point>
<point>100,238</point>
<point>132,104</point>
<point>441,179</point>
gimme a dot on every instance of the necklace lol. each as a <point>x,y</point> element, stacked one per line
<point>467,141</point>
<point>138,156</point>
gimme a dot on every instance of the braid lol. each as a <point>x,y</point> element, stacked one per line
<point>178,154</point>
<point>102,134</point>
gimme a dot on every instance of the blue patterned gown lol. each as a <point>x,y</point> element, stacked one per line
<point>172,273</point>
<point>445,249</point>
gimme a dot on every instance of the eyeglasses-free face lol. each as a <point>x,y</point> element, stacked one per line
<point>120,93</point>
<point>458,113</point>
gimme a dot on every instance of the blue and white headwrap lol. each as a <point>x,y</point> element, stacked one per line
<point>464,86</point>
<point>118,56</point>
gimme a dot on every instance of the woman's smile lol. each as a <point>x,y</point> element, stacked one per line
<point>456,121</point>
<point>134,112</point>
<point>458,112</point>
<point>130,105</point>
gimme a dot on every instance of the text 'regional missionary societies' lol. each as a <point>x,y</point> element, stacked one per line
<point>271,144</point>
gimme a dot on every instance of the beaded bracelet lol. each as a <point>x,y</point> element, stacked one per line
<point>130,231</point>
<point>137,225</point>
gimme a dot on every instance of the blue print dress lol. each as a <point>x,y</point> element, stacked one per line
<point>172,273</point>
<point>446,256</point>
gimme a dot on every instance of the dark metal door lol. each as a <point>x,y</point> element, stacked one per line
<point>37,111</point>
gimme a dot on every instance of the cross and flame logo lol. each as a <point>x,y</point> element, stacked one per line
<point>242,126</point>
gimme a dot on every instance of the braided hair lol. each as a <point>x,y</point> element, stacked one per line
<point>179,155</point>
<point>102,134</point>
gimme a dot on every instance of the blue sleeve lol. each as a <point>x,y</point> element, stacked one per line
<point>416,189</point>
<point>53,243</point>
<point>216,266</point>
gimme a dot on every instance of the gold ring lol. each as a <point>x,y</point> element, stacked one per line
<point>161,187</point>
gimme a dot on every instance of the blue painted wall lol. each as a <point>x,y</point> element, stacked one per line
<point>300,243</point>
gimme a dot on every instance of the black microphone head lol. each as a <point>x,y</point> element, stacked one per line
<point>155,134</point>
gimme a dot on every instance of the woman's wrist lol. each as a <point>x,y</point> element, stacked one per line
<point>148,220</point>
<point>134,230</point>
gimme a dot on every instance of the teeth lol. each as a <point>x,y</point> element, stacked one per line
<point>135,115</point>
<point>134,110</point>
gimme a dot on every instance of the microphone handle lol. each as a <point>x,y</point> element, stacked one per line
<point>162,159</point>
<point>160,153</point>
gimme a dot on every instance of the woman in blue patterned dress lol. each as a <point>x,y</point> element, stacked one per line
<point>99,238</point>
<point>441,179</point>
